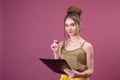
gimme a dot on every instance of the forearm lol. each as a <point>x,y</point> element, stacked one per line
<point>87,73</point>
<point>56,55</point>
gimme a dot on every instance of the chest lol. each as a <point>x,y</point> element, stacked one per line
<point>72,46</point>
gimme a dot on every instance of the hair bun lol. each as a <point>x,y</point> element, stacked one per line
<point>74,9</point>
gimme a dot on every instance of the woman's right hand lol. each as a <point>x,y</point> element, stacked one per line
<point>55,46</point>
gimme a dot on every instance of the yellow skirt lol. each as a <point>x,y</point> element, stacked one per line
<point>66,77</point>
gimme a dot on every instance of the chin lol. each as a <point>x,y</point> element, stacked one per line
<point>72,34</point>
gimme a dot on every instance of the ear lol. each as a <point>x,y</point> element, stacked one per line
<point>80,25</point>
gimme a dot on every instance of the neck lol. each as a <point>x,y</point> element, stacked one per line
<point>74,38</point>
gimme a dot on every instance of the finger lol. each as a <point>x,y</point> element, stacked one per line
<point>56,41</point>
<point>67,70</point>
<point>54,46</point>
<point>75,71</point>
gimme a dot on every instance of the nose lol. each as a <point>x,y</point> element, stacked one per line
<point>69,27</point>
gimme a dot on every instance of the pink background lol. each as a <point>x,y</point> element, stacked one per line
<point>1,41</point>
<point>28,27</point>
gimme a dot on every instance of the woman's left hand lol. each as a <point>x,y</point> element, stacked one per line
<point>72,73</point>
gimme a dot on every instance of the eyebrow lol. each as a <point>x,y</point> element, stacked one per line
<point>70,23</point>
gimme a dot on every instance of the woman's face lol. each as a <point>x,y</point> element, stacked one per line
<point>71,27</point>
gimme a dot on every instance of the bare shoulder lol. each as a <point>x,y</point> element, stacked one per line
<point>88,48</point>
<point>61,43</point>
<point>87,45</point>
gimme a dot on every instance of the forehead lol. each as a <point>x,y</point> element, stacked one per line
<point>69,21</point>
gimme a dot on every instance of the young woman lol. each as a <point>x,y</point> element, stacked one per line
<point>75,50</point>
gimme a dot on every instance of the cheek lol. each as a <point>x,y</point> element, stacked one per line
<point>66,30</point>
<point>75,29</point>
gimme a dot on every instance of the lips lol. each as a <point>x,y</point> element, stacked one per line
<point>70,31</point>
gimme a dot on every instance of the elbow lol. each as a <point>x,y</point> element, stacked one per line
<point>91,72</point>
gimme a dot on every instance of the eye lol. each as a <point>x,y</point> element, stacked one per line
<point>72,24</point>
<point>66,25</point>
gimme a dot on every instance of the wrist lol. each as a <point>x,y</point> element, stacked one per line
<point>84,74</point>
<point>56,56</point>
<point>55,52</point>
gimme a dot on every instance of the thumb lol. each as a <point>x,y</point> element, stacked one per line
<point>56,41</point>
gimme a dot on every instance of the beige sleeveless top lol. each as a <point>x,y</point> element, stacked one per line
<point>75,58</point>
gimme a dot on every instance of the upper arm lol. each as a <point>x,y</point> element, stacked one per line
<point>89,55</point>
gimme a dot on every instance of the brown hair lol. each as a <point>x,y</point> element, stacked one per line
<point>73,12</point>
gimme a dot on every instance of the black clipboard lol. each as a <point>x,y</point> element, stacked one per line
<point>56,65</point>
